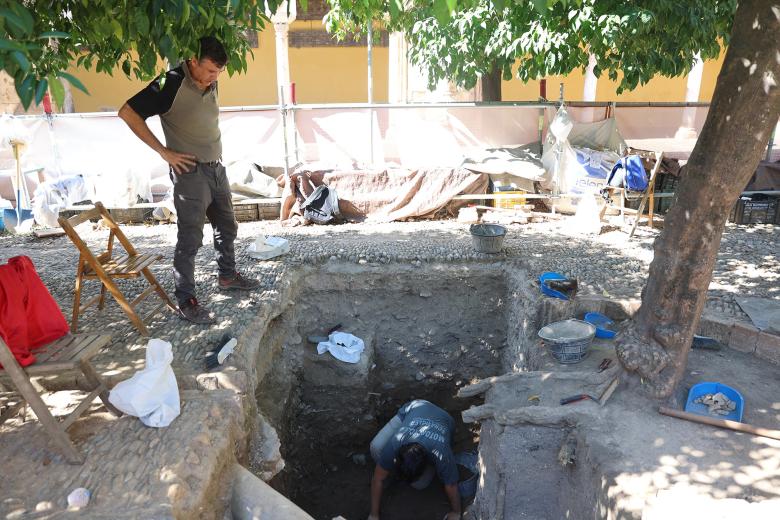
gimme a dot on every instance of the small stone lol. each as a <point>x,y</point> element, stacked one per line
<point>359,459</point>
<point>78,498</point>
<point>426,294</point>
<point>419,376</point>
<point>193,458</point>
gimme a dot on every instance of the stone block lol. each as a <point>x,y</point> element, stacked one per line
<point>768,347</point>
<point>716,326</point>
<point>622,309</point>
<point>744,337</point>
<point>589,303</point>
<point>326,370</point>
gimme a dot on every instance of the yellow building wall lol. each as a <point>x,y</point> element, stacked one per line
<point>658,89</point>
<point>321,74</point>
<point>710,76</point>
<point>338,74</point>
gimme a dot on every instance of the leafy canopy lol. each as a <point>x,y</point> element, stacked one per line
<point>40,38</point>
<point>462,40</point>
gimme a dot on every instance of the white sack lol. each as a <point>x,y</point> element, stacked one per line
<point>265,248</point>
<point>54,196</point>
<point>344,347</point>
<point>244,177</point>
<point>151,394</point>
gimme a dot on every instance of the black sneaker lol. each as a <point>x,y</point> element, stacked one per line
<point>238,282</point>
<point>192,311</point>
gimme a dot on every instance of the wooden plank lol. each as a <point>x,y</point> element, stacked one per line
<point>126,266</point>
<point>721,423</point>
<point>85,348</point>
<point>81,408</point>
<point>139,263</point>
<point>141,297</point>
<point>48,232</point>
<point>49,423</point>
<point>658,158</point>
<point>92,377</point>
<point>154,311</point>
<point>79,219</point>
<point>90,302</point>
<point>46,352</point>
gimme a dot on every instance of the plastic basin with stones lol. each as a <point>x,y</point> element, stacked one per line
<point>708,387</point>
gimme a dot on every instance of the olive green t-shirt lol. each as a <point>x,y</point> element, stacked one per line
<point>189,114</point>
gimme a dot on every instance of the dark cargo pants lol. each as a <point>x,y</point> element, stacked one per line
<point>203,191</point>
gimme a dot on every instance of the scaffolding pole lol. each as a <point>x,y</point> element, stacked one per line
<point>369,44</point>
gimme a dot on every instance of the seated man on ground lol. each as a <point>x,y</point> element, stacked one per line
<point>415,445</point>
<point>307,199</point>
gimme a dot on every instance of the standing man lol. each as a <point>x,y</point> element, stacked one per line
<point>186,101</point>
<point>415,445</point>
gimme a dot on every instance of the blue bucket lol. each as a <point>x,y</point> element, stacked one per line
<point>602,324</point>
<point>546,289</point>
<point>704,388</point>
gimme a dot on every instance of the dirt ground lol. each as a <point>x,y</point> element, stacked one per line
<point>630,461</point>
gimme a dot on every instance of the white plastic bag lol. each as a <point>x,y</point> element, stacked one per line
<point>587,219</point>
<point>151,394</point>
<point>265,248</point>
<point>344,347</point>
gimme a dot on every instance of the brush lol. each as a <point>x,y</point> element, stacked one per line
<point>567,287</point>
<point>215,358</point>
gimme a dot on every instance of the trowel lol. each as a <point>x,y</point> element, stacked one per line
<point>20,219</point>
<point>605,395</point>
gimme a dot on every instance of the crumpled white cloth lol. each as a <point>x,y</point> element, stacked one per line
<point>151,394</point>
<point>342,346</point>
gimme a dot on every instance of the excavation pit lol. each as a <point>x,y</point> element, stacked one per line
<point>427,332</point>
<point>430,333</point>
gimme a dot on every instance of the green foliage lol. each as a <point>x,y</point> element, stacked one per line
<point>40,39</point>
<point>632,41</point>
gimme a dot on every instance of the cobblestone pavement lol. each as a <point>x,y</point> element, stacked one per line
<point>174,471</point>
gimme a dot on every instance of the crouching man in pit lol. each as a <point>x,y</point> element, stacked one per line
<point>416,445</point>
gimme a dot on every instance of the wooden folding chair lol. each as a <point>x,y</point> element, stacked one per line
<point>67,353</point>
<point>106,268</point>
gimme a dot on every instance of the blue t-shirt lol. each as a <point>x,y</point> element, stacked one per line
<point>426,424</point>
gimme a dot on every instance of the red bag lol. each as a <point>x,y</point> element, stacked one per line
<point>29,316</point>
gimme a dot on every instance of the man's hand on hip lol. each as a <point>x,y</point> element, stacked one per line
<point>180,162</point>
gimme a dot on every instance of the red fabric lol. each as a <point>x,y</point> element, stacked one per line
<point>29,316</point>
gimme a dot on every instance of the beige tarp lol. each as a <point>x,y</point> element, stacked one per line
<point>398,194</point>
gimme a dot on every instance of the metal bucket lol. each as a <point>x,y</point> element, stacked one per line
<point>487,238</point>
<point>568,339</point>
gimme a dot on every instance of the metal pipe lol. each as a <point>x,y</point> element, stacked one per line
<point>369,44</point>
<point>283,112</point>
<point>458,104</point>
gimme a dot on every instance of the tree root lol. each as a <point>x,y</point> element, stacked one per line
<point>648,359</point>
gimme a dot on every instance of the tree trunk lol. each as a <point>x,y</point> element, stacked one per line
<point>744,110</point>
<point>491,85</point>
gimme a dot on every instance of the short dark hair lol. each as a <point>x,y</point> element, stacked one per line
<point>212,49</point>
<point>411,461</point>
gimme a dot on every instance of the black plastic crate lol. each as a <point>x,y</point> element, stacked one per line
<point>757,210</point>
